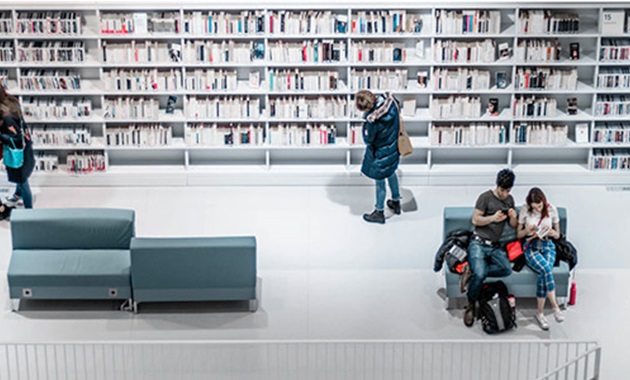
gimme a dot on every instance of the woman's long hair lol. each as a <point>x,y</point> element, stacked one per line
<point>9,104</point>
<point>536,195</point>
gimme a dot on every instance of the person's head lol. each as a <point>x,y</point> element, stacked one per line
<point>505,182</point>
<point>537,201</point>
<point>364,100</point>
<point>9,104</point>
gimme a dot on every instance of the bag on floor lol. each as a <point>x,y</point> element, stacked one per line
<point>495,311</point>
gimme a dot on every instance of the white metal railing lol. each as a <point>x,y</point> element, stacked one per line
<point>436,360</point>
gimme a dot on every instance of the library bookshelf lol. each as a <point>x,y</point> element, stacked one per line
<point>197,94</point>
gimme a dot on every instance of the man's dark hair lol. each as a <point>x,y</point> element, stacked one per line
<point>505,179</point>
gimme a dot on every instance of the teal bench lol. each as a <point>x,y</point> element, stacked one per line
<point>521,284</point>
<point>61,254</point>
<point>194,269</point>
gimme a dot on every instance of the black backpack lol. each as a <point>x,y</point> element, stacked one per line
<point>495,311</point>
<point>565,251</point>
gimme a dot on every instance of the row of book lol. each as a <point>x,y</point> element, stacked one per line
<point>386,22</point>
<point>539,134</point>
<point>307,22</point>
<point>51,51</point>
<point>613,78</point>
<point>6,51</point>
<point>461,79</point>
<point>545,21</point>
<point>379,80</point>
<point>308,108</point>
<point>139,135</point>
<point>142,80</point>
<point>6,22</point>
<point>457,51</point>
<point>298,80</point>
<point>223,23</point>
<point>223,80</point>
<point>86,162</point>
<point>377,52</point>
<point>468,21</point>
<point>472,134</point>
<point>614,50</point>
<point>200,51</point>
<point>218,134</point>
<point>140,23</point>
<point>609,159</point>
<point>455,106</point>
<point>612,105</point>
<point>131,108</point>
<point>51,22</point>
<point>45,135</point>
<point>534,106</point>
<point>223,107</point>
<point>140,51</point>
<point>55,108</point>
<point>537,50</point>
<point>311,51</point>
<point>301,135</point>
<point>545,78</point>
<point>41,80</point>
<point>46,162</point>
<point>612,133</point>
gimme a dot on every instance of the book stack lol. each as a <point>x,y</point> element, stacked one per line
<point>468,21</point>
<point>238,107</point>
<point>218,135</point>
<point>610,159</point>
<point>6,51</point>
<point>613,78</point>
<point>45,135</point>
<point>86,162</point>
<point>458,51</point>
<point>142,80</point>
<point>473,134</point>
<point>139,135</point>
<point>51,51</point>
<point>298,80</point>
<point>456,107</point>
<point>379,80</point>
<point>612,133</point>
<point>307,22</point>
<point>46,163</point>
<point>308,108</point>
<point>131,108</point>
<point>56,108</point>
<point>545,21</point>
<point>546,78</point>
<point>612,105</point>
<point>209,51</point>
<point>534,106</point>
<point>311,51</point>
<point>58,23</point>
<point>461,79</point>
<point>538,50</point>
<point>385,22</point>
<point>304,134</point>
<point>247,22</point>
<point>539,134</point>
<point>55,80</point>
<point>614,50</point>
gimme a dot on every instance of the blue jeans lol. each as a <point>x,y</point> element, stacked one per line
<point>540,255</point>
<point>485,261</point>
<point>381,192</point>
<point>23,190</point>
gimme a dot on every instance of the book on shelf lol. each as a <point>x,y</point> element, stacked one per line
<point>574,51</point>
<point>612,22</point>
<point>423,79</point>
<point>409,107</point>
<point>493,106</point>
<point>140,23</point>
<point>170,104</point>
<point>572,106</point>
<point>501,80</point>
<point>504,50</point>
<point>581,133</point>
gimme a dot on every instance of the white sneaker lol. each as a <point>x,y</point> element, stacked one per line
<point>542,321</point>
<point>14,200</point>
<point>558,315</point>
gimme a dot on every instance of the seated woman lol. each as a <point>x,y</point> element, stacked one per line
<point>538,221</point>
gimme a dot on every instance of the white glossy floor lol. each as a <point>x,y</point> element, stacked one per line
<point>328,275</point>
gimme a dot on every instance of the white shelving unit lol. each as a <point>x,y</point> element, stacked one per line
<point>429,164</point>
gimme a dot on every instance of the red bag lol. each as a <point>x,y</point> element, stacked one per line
<point>514,249</point>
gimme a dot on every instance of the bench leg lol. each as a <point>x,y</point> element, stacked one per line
<point>134,307</point>
<point>15,305</point>
<point>253,305</point>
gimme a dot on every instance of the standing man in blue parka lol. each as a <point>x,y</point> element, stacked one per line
<point>380,134</point>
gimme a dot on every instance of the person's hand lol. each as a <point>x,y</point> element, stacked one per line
<point>512,213</point>
<point>531,229</point>
<point>12,129</point>
<point>499,216</point>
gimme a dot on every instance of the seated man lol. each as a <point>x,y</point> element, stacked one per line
<point>486,258</point>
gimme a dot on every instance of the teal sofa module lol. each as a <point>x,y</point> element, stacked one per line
<point>61,254</point>
<point>521,284</point>
<point>194,269</point>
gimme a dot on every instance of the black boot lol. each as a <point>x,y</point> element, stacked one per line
<point>469,314</point>
<point>375,217</point>
<point>394,206</point>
